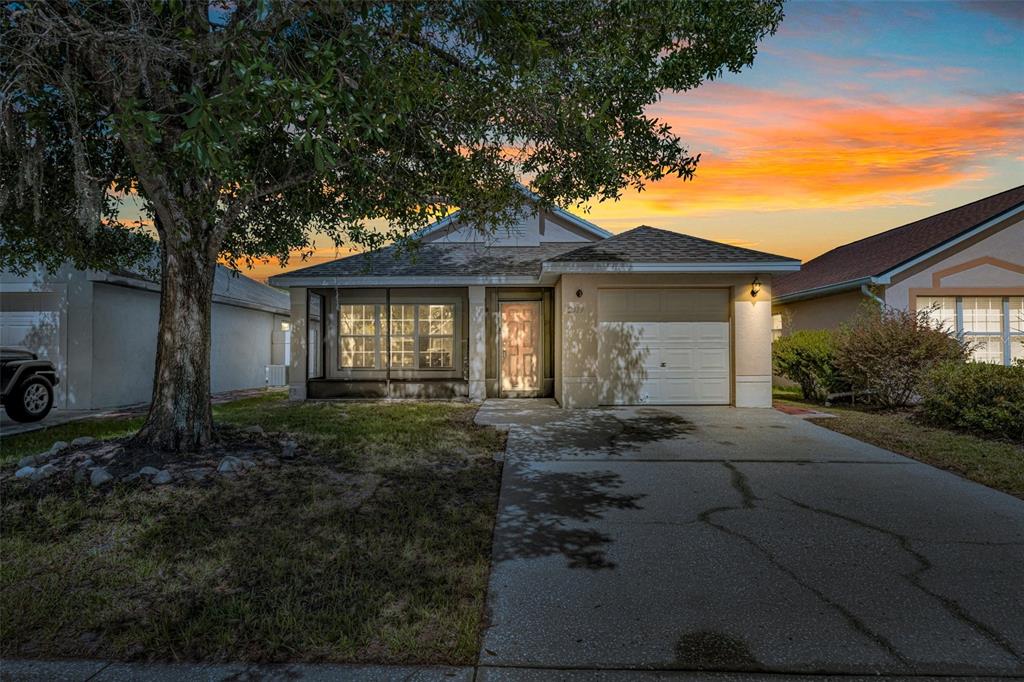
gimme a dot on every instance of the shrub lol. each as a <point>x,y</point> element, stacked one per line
<point>808,358</point>
<point>977,397</point>
<point>886,353</point>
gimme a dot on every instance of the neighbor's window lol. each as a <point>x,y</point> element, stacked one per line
<point>993,325</point>
<point>941,311</point>
<point>776,326</point>
<point>983,327</point>
<point>1016,323</point>
<point>436,335</point>
<point>357,338</point>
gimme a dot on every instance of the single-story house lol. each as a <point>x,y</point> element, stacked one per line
<point>554,307</point>
<point>99,329</point>
<point>966,265</point>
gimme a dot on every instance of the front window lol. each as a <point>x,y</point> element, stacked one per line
<point>437,335</point>
<point>415,336</point>
<point>993,325</point>
<point>357,339</point>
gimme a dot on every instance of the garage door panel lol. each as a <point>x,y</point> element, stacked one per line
<point>661,360</point>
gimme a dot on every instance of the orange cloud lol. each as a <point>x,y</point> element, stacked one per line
<point>765,151</point>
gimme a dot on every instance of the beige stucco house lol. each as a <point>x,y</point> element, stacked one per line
<point>556,307</point>
<point>966,265</point>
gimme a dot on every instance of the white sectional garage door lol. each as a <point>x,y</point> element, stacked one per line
<point>664,346</point>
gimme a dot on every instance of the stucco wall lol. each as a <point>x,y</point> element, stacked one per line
<point>578,337</point>
<point>826,312</point>
<point>124,329</point>
<point>1005,245</point>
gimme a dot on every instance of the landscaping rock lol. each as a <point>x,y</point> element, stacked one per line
<point>99,476</point>
<point>230,465</point>
<point>197,474</point>
<point>58,447</point>
<point>288,449</point>
<point>83,440</point>
<point>256,429</point>
<point>27,461</point>
<point>148,471</point>
<point>249,463</point>
<point>44,471</point>
<point>161,478</point>
<point>24,472</point>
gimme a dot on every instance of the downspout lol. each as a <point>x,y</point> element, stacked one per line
<point>870,294</point>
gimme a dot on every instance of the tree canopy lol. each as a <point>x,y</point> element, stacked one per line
<point>267,121</point>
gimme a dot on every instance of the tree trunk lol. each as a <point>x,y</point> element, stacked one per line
<point>180,418</point>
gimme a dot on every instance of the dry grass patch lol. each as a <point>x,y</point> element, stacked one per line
<point>373,548</point>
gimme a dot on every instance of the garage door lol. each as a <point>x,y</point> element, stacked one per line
<point>664,346</point>
<point>38,330</point>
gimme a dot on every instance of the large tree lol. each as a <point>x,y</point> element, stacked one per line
<point>246,127</point>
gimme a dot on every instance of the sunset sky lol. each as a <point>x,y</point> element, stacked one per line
<point>856,117</point>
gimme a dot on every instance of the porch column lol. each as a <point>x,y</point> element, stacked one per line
<point>300,339</point>
<point>477,344</point>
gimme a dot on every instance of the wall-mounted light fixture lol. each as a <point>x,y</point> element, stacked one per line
<point>579,293</point>
<point>755,287</point>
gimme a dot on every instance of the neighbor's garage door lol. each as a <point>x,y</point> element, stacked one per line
<point>664,346</point>
<point>32,320</point>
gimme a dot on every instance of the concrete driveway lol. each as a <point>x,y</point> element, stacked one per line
<point>743,540</point>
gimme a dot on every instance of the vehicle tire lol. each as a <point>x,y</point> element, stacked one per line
<point>31,401</point>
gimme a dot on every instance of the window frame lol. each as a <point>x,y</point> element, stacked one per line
<point>1005,334</point>
<point>382,346</point>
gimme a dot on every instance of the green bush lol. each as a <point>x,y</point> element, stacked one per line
<point>808,358</point>
<point>886,352</point>
<point>976,397</point>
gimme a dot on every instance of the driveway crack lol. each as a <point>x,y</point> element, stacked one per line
<point>741,484</point>
<point>914,577</point>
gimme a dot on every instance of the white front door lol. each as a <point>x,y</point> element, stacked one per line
<point>664,347</point>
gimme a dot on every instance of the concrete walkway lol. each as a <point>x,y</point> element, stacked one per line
<point>743,540</point>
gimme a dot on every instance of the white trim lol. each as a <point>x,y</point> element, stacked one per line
<point>355,281</point>
<point>886,277</point>
<point>585,225</point>
<point>613,267</point>
<point>836,288</point>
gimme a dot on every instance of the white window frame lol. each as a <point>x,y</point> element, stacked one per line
<point>1005,333</point>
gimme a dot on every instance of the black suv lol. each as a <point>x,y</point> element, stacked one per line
<point>27,384</point>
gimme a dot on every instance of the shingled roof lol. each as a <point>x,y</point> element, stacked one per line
<point>440,259</point>
<point>639,247</point>
<point>646,244</point>
<point>876,255</point>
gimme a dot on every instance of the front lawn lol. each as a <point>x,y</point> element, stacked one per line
<point>997,464</point>
<point>374,547</point>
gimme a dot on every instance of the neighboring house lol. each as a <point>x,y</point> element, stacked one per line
<point>555,307</point>
<point>100,329</point>
<point>965,264</point>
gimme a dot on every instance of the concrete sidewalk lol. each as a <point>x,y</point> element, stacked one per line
<point>107,671</point>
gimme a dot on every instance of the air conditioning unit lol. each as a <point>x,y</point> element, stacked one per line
<point>277,375</point>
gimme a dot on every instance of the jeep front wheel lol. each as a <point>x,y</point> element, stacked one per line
<point>31,401</point>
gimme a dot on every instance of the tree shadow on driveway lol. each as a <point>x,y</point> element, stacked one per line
<point>546,513</point>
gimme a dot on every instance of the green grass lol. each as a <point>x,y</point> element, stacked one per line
<point>13,448</point>
<point>281,565</point>
<point>997,464</point>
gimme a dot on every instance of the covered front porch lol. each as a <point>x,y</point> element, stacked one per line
<point>471,342</point>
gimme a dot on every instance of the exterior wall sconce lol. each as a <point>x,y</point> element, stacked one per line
<point>579,293</point>
<point>755,287</point>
